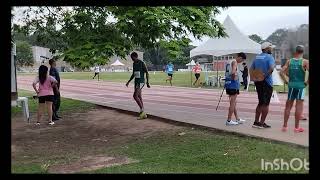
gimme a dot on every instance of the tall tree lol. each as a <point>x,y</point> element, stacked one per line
<point>94,34</point>
<point>278,36</point>
<point>256,38</point>
<point>24,54</point>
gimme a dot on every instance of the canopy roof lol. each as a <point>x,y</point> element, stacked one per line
<point>191,63</point>
<point>117,63</point>
<point>235,42</point>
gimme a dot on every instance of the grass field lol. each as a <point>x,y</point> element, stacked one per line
<point>198,151</point>
<point>182,79</point>
<point>67,105</point>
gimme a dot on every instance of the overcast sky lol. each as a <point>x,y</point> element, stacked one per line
<point>263,20</point>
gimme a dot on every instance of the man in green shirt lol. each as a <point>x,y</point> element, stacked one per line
<point>295,68</point>
<point>139,69</point>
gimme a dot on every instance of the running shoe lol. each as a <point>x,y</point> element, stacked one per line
<point>298,130</point>
<point>142,115</point>
<point>231,123</point>
<point>240,121</point>
<point>51,123</point>
<point>37,123</point>
<point>264,125</point>
<point>257,125</point>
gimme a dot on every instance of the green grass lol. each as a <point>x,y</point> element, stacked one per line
<point>201,151</point>
<point>67,105</point>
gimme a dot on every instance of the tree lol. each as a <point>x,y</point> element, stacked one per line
<point>256,38</point>
<point>278,37</point>
<point>89,35</point>
<point>24,54</point>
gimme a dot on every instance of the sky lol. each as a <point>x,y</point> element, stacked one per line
<point>263,20</point>
<point>260,20</point>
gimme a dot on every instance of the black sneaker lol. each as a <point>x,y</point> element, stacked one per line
<point>264,125</point>
<point>257,125</point>
<point>55,119</point>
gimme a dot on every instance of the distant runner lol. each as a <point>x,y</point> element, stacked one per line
<point>296,69</point>
<point>197,70</point>
<point>96,72</point>
<point>139,69</point>
<point>232,86</point>
<point>169,71</point>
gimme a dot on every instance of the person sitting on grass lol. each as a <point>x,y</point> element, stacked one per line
<point>45,92</point>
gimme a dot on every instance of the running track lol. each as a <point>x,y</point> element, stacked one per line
<point>190,105</point>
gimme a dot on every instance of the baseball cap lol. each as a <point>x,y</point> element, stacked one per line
<point>266,45</point>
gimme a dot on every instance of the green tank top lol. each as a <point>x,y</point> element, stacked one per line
<point>138,71</point>
<point>296,74</point>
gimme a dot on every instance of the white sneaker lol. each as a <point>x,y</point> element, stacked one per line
<point>51,123</point>
<point>240,121</point>
<point>230,123</point>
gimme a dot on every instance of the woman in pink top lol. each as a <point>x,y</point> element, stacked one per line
<point>45,92</point>
<point>197,70</point>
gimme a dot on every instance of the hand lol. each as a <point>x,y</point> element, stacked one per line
<point>127,84</point>
<point>148,85</point>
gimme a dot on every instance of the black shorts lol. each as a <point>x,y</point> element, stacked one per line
<point>197,75</point>
<point>264,91</point>
<point>43,99</point>
<point>170,75</point>
<point>232,92</point>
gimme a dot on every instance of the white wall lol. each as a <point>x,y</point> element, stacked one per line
<point>38,51</point>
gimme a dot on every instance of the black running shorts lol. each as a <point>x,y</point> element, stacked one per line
<point>197,75</point>
<point>264,91</point>
<point>232,92</point>
<point>43,99</point>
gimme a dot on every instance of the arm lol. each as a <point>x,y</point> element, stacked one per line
<point>132,76</point>
<point>57,77</point>
<point>147,74</point>
<point>306,67</point>
<point>34,85</point>
<point>284,72</point>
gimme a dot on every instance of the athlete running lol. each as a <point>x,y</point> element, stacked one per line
<point>169,71</point>
<point>197,70</point>
<point>139,69</point>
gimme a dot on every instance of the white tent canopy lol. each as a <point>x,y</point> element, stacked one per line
<point>191,63</point>
<point>235,42</point>
<point>117,63</point>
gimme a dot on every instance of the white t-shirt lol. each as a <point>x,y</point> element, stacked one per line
<point>97,69</point>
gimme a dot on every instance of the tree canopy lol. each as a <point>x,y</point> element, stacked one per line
<point>89,35</point>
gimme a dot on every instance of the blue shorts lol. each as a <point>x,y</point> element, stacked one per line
<point>296,94</point>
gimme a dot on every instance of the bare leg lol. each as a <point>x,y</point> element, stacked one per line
<point>299,110</point>
<point>287,110</point>
<point>235,110</point>
<point>232,100</point>
<point>140,98</point>
<point>137,99</point>
<point>258,113</point>
<point>49,108</point>
<point>170,79</point>
<point>264,113</point>
<point>40,111</point>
